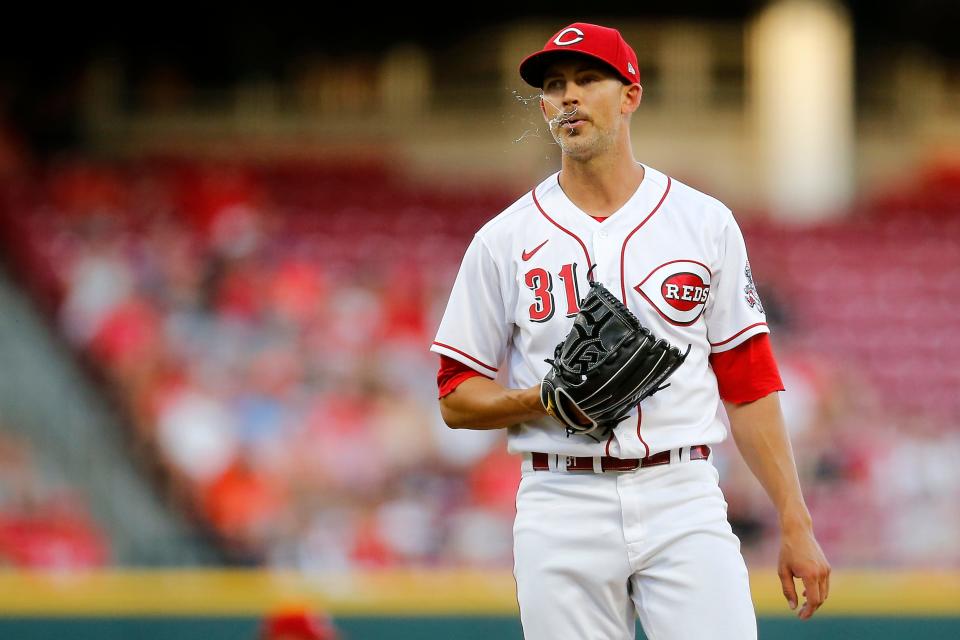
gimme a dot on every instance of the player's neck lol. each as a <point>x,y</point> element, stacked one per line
<point>601,186</point>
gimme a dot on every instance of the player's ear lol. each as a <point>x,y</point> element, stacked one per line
<point>631,98</point>
<point>543,109</point>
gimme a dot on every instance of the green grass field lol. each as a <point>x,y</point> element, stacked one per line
<point>451,605</point>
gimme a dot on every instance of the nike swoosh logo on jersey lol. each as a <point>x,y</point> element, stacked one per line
<point>529,254</point>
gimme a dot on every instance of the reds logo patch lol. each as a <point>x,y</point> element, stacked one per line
<point>567,37</point>
<point>678,290</point>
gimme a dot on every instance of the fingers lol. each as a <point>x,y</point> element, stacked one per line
<point>820,580</point>
<point>811,591</point>
<point>816,588</point>
<point>825,584</point>
<point>789,589</point>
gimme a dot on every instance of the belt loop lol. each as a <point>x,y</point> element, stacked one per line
<point>559,462</point>
<point>597,464</point>
<point>527,464</point>
<point>676,455</point>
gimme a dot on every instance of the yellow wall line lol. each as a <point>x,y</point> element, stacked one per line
<point>398,593</point>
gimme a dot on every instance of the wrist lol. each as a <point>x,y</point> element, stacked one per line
<point>530,399</point>
<point>795,520</point>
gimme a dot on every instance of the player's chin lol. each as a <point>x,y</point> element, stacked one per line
<point>576,146</point>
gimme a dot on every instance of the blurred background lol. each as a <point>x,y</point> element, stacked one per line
<point>226,242</point>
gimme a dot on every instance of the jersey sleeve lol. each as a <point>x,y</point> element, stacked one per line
<point>474,328</point>
<point>747,372</point>
<point>734,312</point>
<point>450,374</point>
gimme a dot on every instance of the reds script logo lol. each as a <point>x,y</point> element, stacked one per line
<point>678,290</point>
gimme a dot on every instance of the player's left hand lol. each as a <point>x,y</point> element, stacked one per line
<point>801,557</point>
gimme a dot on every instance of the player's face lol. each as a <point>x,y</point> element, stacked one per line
<point>583,104</point>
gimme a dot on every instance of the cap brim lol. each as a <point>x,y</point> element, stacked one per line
<point>534,66</point>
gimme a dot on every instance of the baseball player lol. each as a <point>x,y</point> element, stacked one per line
<point>632,524</point>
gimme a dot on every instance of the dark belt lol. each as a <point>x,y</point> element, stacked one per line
<point>541,461</point>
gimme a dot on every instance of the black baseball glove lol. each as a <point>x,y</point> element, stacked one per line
<point>607,364</point>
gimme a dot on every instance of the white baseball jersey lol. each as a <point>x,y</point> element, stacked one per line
<point>676,258</point>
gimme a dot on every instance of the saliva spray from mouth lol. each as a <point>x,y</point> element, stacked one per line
<point>553,123</point>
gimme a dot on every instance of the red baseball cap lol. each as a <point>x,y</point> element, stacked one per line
<point>603,43</point>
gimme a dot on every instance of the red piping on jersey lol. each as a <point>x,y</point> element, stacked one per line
<point>623,250</point>
<point>755,324</point>
<point>565,230</point>
<point>466,355</point>
<point>640,422</point>
<point>606,451</point>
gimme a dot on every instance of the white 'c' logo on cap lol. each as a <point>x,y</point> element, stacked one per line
<point>560,42</point>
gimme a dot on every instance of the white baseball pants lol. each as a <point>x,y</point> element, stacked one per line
<point>593,551</point>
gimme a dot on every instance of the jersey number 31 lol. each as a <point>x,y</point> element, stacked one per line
<point>540,281</point>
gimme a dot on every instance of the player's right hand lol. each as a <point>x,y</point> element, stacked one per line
<point>801,557</point>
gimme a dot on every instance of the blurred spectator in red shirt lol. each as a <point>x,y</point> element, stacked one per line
<point>297,624</point>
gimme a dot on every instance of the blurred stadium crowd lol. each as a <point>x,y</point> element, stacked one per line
<point>265,329</point>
